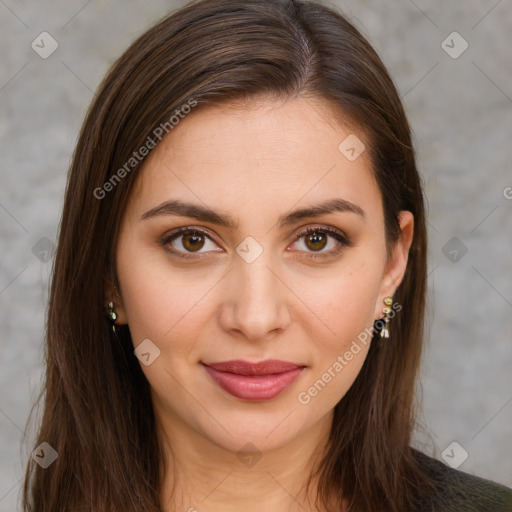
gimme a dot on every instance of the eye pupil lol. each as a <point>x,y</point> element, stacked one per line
<point>316,238</point>
<point>191,241</point>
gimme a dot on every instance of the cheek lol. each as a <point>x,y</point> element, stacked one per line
<point>347,313</point>
<point>347,302</point>
<point>158,303</point>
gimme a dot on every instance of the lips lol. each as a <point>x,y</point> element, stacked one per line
<point>254,381</point>
<point>267,367</point>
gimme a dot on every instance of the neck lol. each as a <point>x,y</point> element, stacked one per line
<point>201,475</point>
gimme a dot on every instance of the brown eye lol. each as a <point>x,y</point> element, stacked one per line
<point>316,240</point>
<point>193,241</point>
<point>188,242</point>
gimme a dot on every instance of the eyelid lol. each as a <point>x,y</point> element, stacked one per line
<point>328,229</point>
<point>186,229</point>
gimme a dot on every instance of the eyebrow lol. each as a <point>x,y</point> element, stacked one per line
<point>205,214</point>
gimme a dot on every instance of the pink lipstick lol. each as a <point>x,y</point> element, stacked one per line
<point>254,381</point>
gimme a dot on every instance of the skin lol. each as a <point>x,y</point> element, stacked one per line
<point>255,162</point>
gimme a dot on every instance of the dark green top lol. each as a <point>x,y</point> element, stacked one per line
<point>462,492</point>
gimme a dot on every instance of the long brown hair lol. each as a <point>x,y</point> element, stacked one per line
<point>97,411</point>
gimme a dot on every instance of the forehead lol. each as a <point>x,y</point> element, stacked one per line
<point>265,154</point>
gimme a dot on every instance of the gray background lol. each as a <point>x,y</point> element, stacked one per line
<point>461,113</point>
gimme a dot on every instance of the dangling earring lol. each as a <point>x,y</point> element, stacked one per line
<point>112,316</point>
<point>388,301</point>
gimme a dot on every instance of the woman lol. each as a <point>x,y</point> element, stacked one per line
<point>237,303</point>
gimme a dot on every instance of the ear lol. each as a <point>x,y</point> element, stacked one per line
<point>113,294</point>
<point>397,263</point>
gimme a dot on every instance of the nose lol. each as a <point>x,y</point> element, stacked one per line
<point>256,299</point>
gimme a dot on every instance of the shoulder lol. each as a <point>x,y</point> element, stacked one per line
<point>458,491</point>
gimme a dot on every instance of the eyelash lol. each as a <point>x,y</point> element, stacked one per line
<point>343,240</point>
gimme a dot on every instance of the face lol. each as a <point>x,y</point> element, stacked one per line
<point>233,276</point>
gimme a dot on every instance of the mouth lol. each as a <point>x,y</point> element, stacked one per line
<point>254,381</point>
